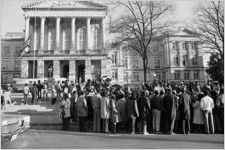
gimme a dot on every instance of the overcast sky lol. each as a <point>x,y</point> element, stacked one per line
<point>12,19</point>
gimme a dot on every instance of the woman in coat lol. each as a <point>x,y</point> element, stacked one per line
<point>197,114</point>
<point>105,111</point>
<point>82,111</point>
<point>65,112</point>
<point>114,112</point>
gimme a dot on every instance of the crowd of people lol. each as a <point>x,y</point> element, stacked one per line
<point>157,107</point>
<point>153,107</point>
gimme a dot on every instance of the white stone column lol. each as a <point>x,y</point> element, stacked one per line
<point>73,35</point>
<point>27,27</point>
<point>56,69</point>
<point>57,33</point>
<point>42,32</point>
<point>40,69</point>
<point>103,32</point>
<point>88,28</point>
<point>87,69</point>
<point>35,38</point>
<point>72,70</point>
<point>24,68</point>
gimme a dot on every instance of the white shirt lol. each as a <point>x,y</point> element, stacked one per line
<point>206,103</point>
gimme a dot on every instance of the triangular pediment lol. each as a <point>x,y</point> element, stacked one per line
<point>63,4</point>
<point>184,32</point>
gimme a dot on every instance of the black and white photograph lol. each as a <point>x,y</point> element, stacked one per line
<point>109,74</point>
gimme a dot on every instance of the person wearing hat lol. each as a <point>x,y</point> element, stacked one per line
<point>207,105</point>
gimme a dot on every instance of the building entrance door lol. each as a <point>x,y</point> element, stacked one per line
<point>64,69</point>
<point>80,70</point>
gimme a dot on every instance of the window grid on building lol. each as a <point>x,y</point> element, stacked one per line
<point>125,77</point>
<point>176,46</point>
<point>136,76</point>
<point>157,63</point>
<point>196,75</point>
<point>185,59</point>
<point>135,63</point>
<point>186,75</point>
<point>114,74</point>
<point>177,75</point>
<point>6,50</point>
<point>176,61</point>
<point>16,64</point>
<point>125,62</point>
<point>195,61</point>
<point>114,58</point>
<point>17,49</point>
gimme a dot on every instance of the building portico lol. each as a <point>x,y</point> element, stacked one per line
<point>66,37</point>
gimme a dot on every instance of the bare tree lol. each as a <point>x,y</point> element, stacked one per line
<point>140,22</point>
<point>211,25</point>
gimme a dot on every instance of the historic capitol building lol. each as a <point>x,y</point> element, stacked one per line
<point>72,38</point>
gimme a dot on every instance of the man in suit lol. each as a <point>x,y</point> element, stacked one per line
<point>185,110</point>
<point>170,103</point>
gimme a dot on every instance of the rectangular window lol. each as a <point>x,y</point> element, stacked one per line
<point>16,64</point>
<point>136,76</point>
<point>196,75</point>
<point>177,75</point>
<point>135,63</point>
<point>176,46</point>
<point>125,62</point>
<point>17,49</point>
<point>185,59</point>
<point>114,58</point>
<point>185,45</point>
<point>186,75</point>
<point>176,61</point>
<point>125,77</point>
<point>6,50</point>
<point>158,75</point>
<point>114,74</point>
<point>5,65</point>
<point>157,63</point>
<point>195,61</point>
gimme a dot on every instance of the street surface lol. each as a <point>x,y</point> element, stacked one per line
<point>44,139</point>
<point>45,132</point>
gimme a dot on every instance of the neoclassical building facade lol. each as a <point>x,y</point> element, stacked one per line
<point>66,35</point>
<point>175,56</point>
<point>70,37</point>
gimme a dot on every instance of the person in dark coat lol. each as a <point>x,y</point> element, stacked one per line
<point>185,110</point>
<point>156,106</point>
<point>144,108</point>
<point>170,104</point>
<point>132,110</point>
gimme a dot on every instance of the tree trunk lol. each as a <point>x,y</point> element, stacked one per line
<point>144,69</point>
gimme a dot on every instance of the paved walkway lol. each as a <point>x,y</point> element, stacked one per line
<point>43,139</point>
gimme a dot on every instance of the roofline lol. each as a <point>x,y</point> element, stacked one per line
<point>28,6</point>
